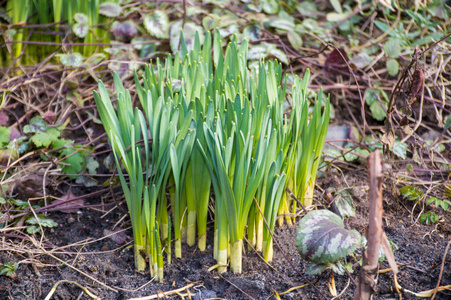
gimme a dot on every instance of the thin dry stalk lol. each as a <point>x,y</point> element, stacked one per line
<point>369,268</point>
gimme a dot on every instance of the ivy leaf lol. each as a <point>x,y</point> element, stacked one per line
<point>157,24</point>
<point>322,239</point>
<point>392,67</point>
<point>392,48</point>
<point>110,9</point>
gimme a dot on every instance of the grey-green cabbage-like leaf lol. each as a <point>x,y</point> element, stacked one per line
<point>71,60</point>
<point>81,18</point>
<point>110,9</point>
<point>252,32</point>
<point>283,22</point>
<point>80,30</point>
<point>337,267</point>
<point>323,240</point>
<point>189,33</point>
<point>157,24</point>
<point>344,203</point>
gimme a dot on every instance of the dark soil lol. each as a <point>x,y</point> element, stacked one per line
<point>420,251</point>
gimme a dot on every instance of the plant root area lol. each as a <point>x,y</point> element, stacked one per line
<point>78,257</point>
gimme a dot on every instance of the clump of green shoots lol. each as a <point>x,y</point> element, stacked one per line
<point>207,120</point>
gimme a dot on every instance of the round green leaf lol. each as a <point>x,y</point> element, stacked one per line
<point>377,111</point>
<point>392,48</point>
<point>294,39</point>
<point>392,67</point>
<point>270,7</point>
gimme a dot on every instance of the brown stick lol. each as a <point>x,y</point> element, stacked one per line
<point>369,268</point>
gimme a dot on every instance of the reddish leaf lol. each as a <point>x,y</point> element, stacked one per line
<point>14,133</point>
<point>50,117</point>
<point>68,206</point>
<point>3,118</point>
<point>118,237</point>
<point>335,64</point>
<point>417,85</point>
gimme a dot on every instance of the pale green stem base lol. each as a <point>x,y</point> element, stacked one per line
<point>191,232</point>
<point>178,248</point>
<point>222,260</point>
<point>236,257</point>
<point>140,262</point>
<point>202,243</point>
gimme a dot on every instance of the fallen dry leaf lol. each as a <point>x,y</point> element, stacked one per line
<point>118,237</point>
<point>68,206</point>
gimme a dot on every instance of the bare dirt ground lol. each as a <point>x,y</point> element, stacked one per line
<point>78,253</point>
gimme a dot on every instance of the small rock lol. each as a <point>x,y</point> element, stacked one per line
<point>259,284</point>
<point>205,294</point>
